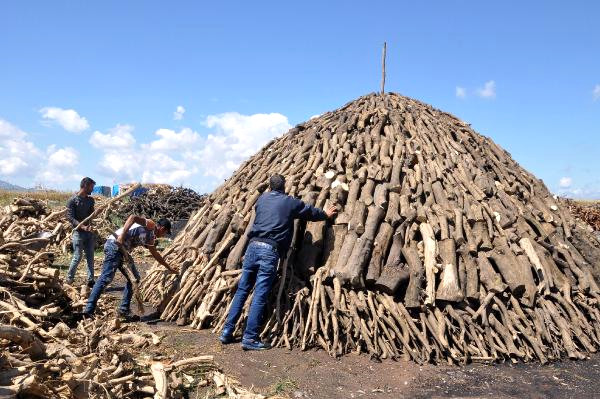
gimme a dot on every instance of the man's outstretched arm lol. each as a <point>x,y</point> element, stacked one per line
<point>156,255</point>
<point>308,212</point>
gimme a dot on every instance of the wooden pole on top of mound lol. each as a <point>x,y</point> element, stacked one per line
<point>383,69</point>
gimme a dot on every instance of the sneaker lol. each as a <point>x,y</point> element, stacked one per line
<point>128,317</point>
<point>91,283</point>
<point>226,337</point>
<point>254,345</point>
<point>151,318</point>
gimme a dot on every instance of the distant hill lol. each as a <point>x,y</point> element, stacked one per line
<point>8,186</point>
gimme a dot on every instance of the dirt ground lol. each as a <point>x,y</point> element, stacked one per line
<point>314,374</point>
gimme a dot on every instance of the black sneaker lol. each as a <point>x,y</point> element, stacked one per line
<point>128,317</point>
<point>151,318</point>
<point>226,337</point>
<point>91,283</point>
<point>254,345</point>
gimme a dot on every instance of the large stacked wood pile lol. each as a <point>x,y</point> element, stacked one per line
<point>445,249</point>
<point>174,203</point>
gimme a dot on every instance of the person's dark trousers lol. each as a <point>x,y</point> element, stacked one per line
<point>260,267</point>
<point>83,241</point>
<point>113,260</point>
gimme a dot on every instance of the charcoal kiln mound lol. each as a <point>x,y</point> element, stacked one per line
<point>445,249</point>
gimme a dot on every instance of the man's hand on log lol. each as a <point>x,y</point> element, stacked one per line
<point>331,211</point>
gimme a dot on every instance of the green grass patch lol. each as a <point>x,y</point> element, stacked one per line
<point>53,198</point>
<point>284,386</point>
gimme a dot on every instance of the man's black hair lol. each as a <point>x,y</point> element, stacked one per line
<point>277,183</point>
<point>166,223</point>
<point>85,181</point>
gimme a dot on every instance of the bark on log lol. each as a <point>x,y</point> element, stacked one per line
<point>412,298</point>
<point>430,251</point>
<point>234,259</point>
<point>378,257</point>
<point>449,286</point>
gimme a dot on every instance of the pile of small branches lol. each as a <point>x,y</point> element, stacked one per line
<point>174,203</point>
<point>586,211</point>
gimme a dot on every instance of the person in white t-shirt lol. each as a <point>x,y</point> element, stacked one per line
<point>136,232</point>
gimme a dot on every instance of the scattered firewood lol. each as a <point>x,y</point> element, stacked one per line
<point>46,352</point>
<point>587,212</point>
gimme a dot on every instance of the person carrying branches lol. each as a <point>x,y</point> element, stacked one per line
<point>137,231</point>
<point>270,238</point>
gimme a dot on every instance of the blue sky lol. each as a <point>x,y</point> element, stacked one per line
<point>91,88</point>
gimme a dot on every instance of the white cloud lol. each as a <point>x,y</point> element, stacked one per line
<point>167,170</point>
<point>60,166</point>
<point>587,191</point>
<point>69,119</point>
<point>488,90</point>
<point>461,92</point>
<point>236,138</point>
<point>118,137</point>
<point>178,114</point>
<point>565,182</point>
<point>121,165</point>
<point>170,140</point>
<point>124,160</point>
<point>596,92</point>
<point>21,160</point>
<point>18,155</point>
<point>62,157</point>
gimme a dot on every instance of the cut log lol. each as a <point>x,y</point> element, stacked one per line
<point>430,251</point>
<point>353,272</point>
<point>234,259</point>
<point>449,286</point>
<point>378,257</point>
<point>512,272</point>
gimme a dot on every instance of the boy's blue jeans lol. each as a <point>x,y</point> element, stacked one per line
<point>83,241</point>
<point>259,270</point>
<point>113,260</point>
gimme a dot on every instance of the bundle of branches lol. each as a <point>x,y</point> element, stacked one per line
<point>589,212</point>
<point>31,223</point>
<point>174,203</point>
<point>47,354</point>
<point>445,249</point>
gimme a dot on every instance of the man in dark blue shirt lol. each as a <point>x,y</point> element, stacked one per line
<point>270,238</point>
<point>79,207</point>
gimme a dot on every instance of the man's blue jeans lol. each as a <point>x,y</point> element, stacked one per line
<point>260,266</point>
<point>113,260</point>
<point>83,241</point>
